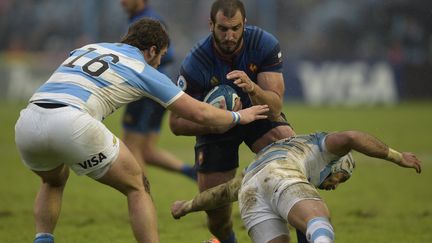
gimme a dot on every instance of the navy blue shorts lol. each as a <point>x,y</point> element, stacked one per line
<point>219,152</point>
<point>143,116</point>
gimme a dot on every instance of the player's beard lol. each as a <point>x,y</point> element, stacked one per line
<point>225,49</point>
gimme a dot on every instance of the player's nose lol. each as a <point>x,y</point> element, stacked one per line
<point>229,35</point>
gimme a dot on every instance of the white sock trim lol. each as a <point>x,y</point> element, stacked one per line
<point>320,230</point>
<point>44,234</point>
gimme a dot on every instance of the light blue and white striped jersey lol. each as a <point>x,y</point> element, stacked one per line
<point>100,78</point>
<point>308,152</point>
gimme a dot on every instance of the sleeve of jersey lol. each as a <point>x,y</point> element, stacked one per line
<point>326,155</point>
<point>191,73</point>
<point>159,87</point>
<point>272,55</point>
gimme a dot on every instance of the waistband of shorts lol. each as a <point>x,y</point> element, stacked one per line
<point>40,109</point>
<point>266,158</point>
<point>49,105</point>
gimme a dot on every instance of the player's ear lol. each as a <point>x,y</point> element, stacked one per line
<point>211,25</point>
<point>150,53</point>
<point>153,51</point>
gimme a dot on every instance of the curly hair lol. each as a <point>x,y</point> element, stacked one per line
<point>146,33</point>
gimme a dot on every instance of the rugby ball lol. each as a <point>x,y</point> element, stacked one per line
<point>222,94</point>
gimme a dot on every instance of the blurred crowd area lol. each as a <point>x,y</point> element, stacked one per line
<point>394,30</point>
<point>335,51</point>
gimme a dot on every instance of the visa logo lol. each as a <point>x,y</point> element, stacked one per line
<point>93,161</point>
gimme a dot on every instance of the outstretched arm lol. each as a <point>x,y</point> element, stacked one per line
<point>340,143</point>
<point>185,127</point>
<point>205,114</point>
<point>209,199</point>
<point>182,126</point>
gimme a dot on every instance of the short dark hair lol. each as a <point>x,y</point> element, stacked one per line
<point>228,7</point>
<point>146,33</point>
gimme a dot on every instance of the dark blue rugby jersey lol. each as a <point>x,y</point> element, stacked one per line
<point>203,68</point>
<point>148,12</point>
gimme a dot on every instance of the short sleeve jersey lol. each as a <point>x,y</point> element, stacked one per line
<point>203,68</point>
<point>100,78</point>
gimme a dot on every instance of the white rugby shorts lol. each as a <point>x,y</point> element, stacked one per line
<point>272,191</point>
<point>47,138</point>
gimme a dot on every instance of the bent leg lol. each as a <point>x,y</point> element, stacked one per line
<point>320,230</point>
<point>159,157</point>
<point>48,201</point>
<point>209,199</point>
<point>218,220</point>
<point>126,176</point>
<point>303,211</point>
<point>313,218</point>
<point>144,148</point>
<point>270,231</point>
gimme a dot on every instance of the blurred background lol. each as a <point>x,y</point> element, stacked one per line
<point>345,52</point>
<point>348,64</point>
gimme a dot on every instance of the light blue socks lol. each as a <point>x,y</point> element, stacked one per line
<point>44,238</point>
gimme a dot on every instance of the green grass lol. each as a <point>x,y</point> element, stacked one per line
<point>380,203</point>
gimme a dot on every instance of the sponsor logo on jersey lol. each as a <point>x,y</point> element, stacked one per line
<point>253,68</point>
<point>93,161</point>
<point>214,81</point>
<point>181,83</point>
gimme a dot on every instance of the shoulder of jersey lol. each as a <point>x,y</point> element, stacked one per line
<point>259,38</point>
<point>200,55</point>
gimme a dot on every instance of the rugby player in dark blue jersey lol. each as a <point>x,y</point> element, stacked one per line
<point>248,59</point>
<point>142,119</point>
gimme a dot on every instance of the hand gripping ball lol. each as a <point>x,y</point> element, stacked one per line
<point>220,95</point>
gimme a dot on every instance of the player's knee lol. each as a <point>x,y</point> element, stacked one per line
<point>319,230</point>
<point>59,180</point>
<point>220,225</point>
<point>138,184</point>
<point>146,184</point>
<point>224,228</point>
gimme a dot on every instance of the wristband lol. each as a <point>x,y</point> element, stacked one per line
<point>394,156</point>
<point>236,117</point>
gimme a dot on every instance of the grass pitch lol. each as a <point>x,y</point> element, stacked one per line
<point>380,203</point>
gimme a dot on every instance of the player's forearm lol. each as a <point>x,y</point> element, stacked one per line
<point>258,96</point>
<point>217,196</point>
<point>184,127</point>
<point>368,145</point>
<point>268,89</point>
<point>197,115</point>
<point>340,143</point>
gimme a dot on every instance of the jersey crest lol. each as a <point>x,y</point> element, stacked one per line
<point>181,83</point>
<point>253,68</point>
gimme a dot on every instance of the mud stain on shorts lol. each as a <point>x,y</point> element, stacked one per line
<point>249,198</point>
